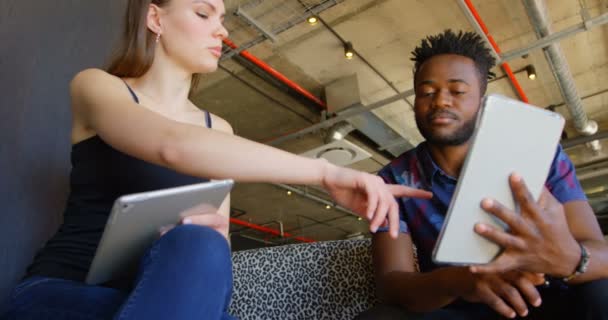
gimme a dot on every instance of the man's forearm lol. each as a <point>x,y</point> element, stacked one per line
<point>423,292</point>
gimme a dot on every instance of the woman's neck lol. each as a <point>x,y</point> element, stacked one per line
<point>165,83</point>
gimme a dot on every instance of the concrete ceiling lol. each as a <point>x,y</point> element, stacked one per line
<point>383,32</point>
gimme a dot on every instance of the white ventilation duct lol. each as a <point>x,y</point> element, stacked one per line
<point>339,131</point>
<point>537,12</point>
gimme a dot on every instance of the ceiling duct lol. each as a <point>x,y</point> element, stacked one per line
<point>537,13</point>
<point>258,20</point>
<point>344,93</point>
<point>339,131</point>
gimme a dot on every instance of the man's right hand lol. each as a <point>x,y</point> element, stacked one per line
<point>506,293</point>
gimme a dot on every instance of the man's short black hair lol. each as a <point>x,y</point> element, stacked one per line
<point>467,44</point>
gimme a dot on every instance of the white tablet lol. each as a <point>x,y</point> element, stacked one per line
<point>135,221</point>
<point>510,136</point>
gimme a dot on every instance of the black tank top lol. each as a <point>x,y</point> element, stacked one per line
<point>99,175</point>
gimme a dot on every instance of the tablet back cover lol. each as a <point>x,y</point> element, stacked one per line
<point>511,136</point>
<point>135,220</point>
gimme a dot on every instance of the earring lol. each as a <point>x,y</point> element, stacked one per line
<point>157,37</point>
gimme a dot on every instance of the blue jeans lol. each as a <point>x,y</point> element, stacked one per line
<point>186,274</point>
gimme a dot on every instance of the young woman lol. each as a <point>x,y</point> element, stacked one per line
<point>134,129</point>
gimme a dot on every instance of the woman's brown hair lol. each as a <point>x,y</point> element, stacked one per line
<point>136,48</point>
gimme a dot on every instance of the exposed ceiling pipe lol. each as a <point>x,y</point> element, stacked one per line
<point>246,236</point>
<point>365,61</point>
<point>368,123</point>
<point>374,127</point>
<point>591,95</point>
<point>264,66</point>
<point>280,223</point>
<point>355,52</point>
<point>473,15</point>
<point>373,124</point>
<point>556,36</point>
<point>339,131</point>
<point>314,198</point>
<point>537,12</point>
<point>317,9</point>
<point>569,143</point>
<point>343,115</point>
<point>269,230</point>
<point>321,222</point>
<point>360,109</point>
<point>266,95</point>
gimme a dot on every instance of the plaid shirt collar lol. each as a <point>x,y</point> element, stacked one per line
<point>429,170</point>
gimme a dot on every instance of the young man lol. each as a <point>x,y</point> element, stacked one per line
<point>555,258</point>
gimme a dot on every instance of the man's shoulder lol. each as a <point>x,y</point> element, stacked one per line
<point>400,168</point>
<point>404,158</point>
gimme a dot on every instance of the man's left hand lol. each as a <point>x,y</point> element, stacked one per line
<point>539,239</point>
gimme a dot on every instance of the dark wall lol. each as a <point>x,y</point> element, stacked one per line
<point>42,45</point>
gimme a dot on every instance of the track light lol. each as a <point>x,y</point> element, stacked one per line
<point>327,207</point>
<point>288,193</point>
<point>349,53</point>
<point>312,20</point>
<point>531,71</point>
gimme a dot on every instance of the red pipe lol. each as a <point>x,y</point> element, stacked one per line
<point>505,66</point>
<point>245,54</point>
<point>269,230</point>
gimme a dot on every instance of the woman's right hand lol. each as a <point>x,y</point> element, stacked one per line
<point>368,196</point>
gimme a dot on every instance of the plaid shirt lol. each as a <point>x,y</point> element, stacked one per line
<point>423,219</point>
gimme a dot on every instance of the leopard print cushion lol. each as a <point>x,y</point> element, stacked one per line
<point>322,280</point>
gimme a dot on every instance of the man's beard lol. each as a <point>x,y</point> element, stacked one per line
<point>456,138</point>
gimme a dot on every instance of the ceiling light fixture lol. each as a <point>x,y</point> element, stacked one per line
<point>531,71</point>
<point>288,193</point>
<point>312,20</point>
<point>349,52</point>
<point>327,207</point>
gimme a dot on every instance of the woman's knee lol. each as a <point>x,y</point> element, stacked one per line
<point>194,241</point>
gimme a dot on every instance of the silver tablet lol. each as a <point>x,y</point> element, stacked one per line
<point>510,136</point>
<point>135,221</point>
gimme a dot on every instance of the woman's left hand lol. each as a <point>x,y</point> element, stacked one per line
<point>214,221</point>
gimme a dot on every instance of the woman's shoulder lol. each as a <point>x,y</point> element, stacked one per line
<point>92,77</point>
<point>93,73</point>
<point>98,88</point>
